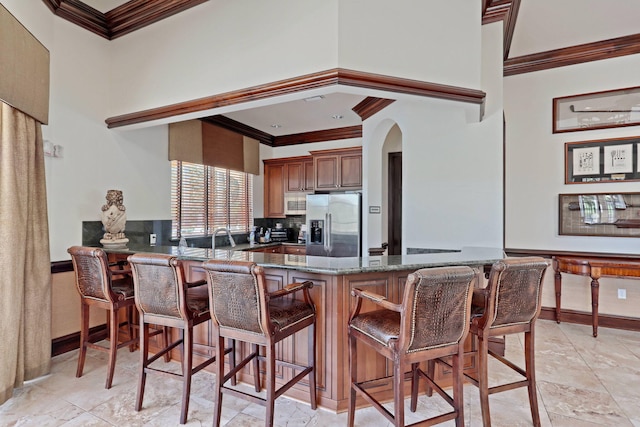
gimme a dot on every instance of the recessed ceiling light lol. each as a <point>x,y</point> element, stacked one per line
<point>276,126</point>
<point>314,98</point>
<point>337,116</point>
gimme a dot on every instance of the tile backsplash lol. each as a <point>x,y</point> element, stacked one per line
<point>138,232</point>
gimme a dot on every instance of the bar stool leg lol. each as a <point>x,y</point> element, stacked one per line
<point>458,391</point>
<point>483,380</point>
<point>271,383</point>
<point>113,345</point>
<point>187,363</point>
<point>256,367</point>
<point>217,390</point>
<point>531,376</point>
<point>415,382</point>
<point>353,369</point>
<point>312,362</point>
<point>144,348</point>
<point>84,337</point>
<point>398,393</point>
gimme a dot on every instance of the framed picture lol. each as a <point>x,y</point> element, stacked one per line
<point>604,160</point>
<point>599,214</point>
<point>597,110</point>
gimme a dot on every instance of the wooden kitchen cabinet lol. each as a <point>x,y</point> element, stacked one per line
<point>294,249</point>
<point>299,174</point>
<point>285,175</point>
<point>274,185</point>
<point>339,169</point>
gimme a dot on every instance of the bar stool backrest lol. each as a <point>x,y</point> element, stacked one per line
<point>90,266</point>
<point>238,295</point>
<point>438,302</point>
<point>158,282</point>
<point>515,286</point>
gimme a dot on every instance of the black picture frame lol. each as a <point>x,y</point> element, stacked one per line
<point>603,160</point>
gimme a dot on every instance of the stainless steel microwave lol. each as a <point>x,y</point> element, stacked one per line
<point>295,203</point>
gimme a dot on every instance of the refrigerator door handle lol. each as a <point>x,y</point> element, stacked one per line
<point>327,232</point>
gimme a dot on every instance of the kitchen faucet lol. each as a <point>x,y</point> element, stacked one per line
<point>218,231</point>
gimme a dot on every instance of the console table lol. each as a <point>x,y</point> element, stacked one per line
<point>594,267</point>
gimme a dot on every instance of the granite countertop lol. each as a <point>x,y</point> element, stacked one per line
<point>330,265</point>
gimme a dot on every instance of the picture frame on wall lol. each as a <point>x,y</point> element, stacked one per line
<point>604,160</point>
<point>597,110</point>
<point>599,214</point>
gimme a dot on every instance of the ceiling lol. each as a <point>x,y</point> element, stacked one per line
<point>538,34</point>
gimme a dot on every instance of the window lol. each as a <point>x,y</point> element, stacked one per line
<point>204,198</point>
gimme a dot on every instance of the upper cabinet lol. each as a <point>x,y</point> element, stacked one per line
<point>274,185</point>
<point>338,169</point>
<point>285,175</point>
<point>299,175</point>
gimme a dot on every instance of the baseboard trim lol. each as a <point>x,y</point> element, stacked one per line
<point>71,342</point>
<point>584,318</point>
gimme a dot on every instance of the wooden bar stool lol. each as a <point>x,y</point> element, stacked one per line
<point>509,304</point>
<point>106,288</point>
<point>164,298</point>
<point>432,322</point>
<point>243,309</point>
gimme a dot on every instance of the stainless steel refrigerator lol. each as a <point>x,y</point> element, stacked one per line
<point>334,225</point>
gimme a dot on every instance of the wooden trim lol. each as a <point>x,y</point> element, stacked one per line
<point>584,318</point>
<point>371,105</point>
<point>548,253</point>
<point>72,341</point>
<point>61,266</point>
<point>333,77</point>
<point>319,136</point>
<point>605,49</point>
<point>241,128</point>
<point>121,20</point>
<point>80,14</point>
<point>502,10</point>
<point>136,14</point>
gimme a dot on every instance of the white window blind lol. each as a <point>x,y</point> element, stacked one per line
<point>204,198</point>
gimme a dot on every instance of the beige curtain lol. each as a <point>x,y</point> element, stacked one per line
<point>25,272</point>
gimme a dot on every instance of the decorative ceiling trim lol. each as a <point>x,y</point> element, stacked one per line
<point>371,105</point>
<point>333,77</point>
<point>241,128</point>
<point>319,136</point>
<point>605,49</point>
<point>282,140</point>
<point>502,10</point>
<point>131,16</point>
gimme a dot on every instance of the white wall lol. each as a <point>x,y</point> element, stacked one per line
<point>95,159</point>
<point>220,46</point>
<point>535,156</point>
<point>412,39</point>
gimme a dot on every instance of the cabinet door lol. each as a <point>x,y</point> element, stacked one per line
<point>326,172</point>
<point>295,177</point>
<point>308,175</point>
<point>351,171</point>
<point>274,176</point>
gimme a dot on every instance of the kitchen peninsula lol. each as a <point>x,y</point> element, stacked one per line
<point>333,280</point>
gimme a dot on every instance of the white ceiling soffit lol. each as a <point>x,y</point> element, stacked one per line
<point>328,111</point>
<point>544,25</point>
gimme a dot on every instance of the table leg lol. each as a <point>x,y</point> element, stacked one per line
<point>595,290</point>
<point>558,286</point>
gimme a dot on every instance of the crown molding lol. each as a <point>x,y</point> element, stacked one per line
<point>131,16</point>
<point>322,79</point>
<point>371,105</point>
<point>605,49</point>
<point>319,136</point>
<point>241,128</point>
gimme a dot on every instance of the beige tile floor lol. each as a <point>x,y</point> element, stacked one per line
<point>582,382</point>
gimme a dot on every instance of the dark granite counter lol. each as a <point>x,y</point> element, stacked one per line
<point>328,265</point>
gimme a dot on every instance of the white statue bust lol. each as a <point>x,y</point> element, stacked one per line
<point>114,218</point>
